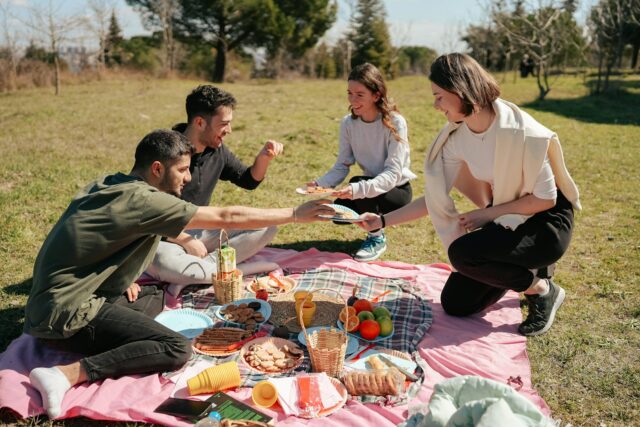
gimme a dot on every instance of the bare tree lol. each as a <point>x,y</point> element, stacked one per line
<point>98,26</point>
<point>611,22</point>
<point>541,31</point>
<point>48,22</point>
<point>10,46</point>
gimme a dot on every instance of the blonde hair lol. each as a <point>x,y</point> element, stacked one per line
<point>369,76</point>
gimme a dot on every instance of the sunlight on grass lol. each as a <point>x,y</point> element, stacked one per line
<point>587,367</point>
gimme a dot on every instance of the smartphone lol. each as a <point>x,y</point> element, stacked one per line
<point>184,408</point>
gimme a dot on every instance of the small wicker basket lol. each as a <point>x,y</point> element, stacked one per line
<point>327,347</point>
<point>226,286</point>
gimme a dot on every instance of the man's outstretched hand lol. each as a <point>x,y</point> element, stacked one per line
<point>310,211</point>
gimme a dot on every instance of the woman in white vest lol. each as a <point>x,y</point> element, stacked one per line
<point>512,168</point>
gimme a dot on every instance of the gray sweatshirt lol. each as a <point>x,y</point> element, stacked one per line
<point>375,149</point>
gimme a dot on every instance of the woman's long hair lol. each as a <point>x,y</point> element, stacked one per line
<point>369,76</point>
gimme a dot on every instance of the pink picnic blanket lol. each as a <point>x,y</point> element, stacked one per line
<point>486,344</point>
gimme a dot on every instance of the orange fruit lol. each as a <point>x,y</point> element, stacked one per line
<point>353,324</point>
<point>343,313</point>
<point>369,329</point>
<point>363,305</point>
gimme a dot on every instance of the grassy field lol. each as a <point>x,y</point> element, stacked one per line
<point>587,367</point>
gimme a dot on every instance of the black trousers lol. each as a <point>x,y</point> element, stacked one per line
<point>123,339</point>
<point>390,201</point>
<point>492,260</point>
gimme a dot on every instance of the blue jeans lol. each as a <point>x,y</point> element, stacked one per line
<point>123,339</point>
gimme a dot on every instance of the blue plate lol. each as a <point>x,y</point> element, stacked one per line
<point>352,343</point>
<point>357,334</point>
<point>353,215</point>
<point>265,309</point>
<point>185,321</point>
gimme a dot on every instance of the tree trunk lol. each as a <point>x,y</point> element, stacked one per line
<point>56,63</point>
<point>542,81</point>
<point>634,55</point>
<point>221,61</point>
<point>599,82</point>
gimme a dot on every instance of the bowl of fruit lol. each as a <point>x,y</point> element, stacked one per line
<point>366,321</point>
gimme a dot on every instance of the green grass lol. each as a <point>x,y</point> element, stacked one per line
<point>587,367</point>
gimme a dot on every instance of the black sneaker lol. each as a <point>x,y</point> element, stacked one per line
<point>542,310</point>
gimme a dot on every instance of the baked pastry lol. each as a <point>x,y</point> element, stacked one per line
<point>376,383</point>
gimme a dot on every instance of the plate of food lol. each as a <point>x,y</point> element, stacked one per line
<point>217,341</point>
<point>343,214</point>
<point>359,336</point>
<point>271,285</point>
<point>190,323</point>
<point>272,355</point>
<point>352,342</point>
<point>247,312</point>
<point>311,190</point>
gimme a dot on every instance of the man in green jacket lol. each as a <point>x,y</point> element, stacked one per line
<point>84,298</point>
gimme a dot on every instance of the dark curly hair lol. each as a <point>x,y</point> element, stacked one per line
<point>368,75</point>
<point>204,101</point>
<point>461,74</point>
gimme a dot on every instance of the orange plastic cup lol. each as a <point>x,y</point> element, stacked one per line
<point>215,378</point>
<point>301,295</point>
<point>264,394</point>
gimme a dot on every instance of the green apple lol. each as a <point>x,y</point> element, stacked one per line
<point>366,315</point>
<point>381,312</point>
<point>386,326</point>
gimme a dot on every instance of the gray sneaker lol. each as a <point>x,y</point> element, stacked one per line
<point>372,248</point>
<point>542,310</point>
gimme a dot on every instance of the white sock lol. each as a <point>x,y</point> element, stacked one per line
<point>52,385</point>
<point>376,233</point>
<point>541,294</point>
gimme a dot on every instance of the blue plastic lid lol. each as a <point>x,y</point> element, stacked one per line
<point>216,415</point>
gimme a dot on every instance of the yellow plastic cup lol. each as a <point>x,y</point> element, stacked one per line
<point>308,311</point>
<point>264,394</point>
<point>301,295</point>
<point>215,378</point>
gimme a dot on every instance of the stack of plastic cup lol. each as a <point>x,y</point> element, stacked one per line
<point>215,378</point>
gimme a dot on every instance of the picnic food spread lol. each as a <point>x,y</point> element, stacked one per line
<point>278,357</point>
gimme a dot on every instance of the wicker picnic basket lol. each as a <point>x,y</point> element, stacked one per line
<point>327,347</point>
<point>227,286</point>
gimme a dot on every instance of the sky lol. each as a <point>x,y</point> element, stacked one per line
<point>433,23</point>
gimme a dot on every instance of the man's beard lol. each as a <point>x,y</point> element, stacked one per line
<point>165,186</point>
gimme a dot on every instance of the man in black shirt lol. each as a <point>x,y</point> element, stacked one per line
<point>189,259</point>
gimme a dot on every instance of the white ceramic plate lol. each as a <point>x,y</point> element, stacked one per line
<point>185,321</point>
<point>353,215</point>
<point>265,310</point>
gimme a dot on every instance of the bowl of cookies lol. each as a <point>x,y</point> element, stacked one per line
<point>272,355</point>
<point>248,312</point>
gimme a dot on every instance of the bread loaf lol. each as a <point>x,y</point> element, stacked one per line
<point>376,383</point>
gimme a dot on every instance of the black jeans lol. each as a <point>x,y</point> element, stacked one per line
<point>123,339</point>
<point>384,203</point>
<point>492,260</point>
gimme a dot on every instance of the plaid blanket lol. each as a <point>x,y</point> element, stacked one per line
<point>407,303</point>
